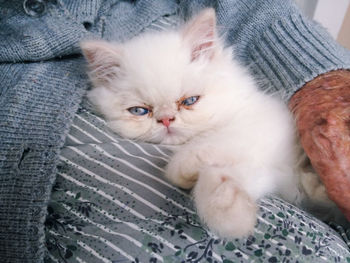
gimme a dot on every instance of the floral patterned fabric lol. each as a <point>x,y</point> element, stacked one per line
<point>110,203</point>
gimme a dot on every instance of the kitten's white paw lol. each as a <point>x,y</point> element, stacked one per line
<point>183,169</point>
<point>225,208</point>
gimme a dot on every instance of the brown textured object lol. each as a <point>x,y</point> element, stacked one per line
<point>322,112</point>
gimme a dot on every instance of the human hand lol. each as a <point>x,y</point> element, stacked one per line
<point>322,112</point>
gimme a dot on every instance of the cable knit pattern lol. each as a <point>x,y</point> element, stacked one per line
<point>42,82</point>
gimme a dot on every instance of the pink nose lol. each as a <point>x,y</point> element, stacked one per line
<point>166,121</point>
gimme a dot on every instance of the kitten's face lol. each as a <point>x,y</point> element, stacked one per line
<point>159,88</point>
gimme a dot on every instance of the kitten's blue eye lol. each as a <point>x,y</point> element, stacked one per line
<point>190,100</point>
<point>138,111</point>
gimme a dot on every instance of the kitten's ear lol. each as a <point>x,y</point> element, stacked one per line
<point>104,60</point>
<point>200,34</point>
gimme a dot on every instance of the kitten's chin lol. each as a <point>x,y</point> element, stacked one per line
<point>173,140</point>
<point>170,137</point>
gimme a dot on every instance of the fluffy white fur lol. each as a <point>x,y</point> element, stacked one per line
<point>235,144</point>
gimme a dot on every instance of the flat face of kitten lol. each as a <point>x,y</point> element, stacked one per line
<point>158,87</point>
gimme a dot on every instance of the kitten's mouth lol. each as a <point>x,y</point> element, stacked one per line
<point>171,136</point>
<point>170,131</point>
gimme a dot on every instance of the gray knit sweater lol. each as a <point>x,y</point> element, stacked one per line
<point>42,81</point>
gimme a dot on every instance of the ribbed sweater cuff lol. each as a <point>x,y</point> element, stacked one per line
<point>292,52</point>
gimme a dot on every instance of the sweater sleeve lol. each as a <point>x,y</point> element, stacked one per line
<point>282,48</point>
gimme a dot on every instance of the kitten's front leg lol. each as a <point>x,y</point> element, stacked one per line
<point>222,204</point>
<point>183,168</point>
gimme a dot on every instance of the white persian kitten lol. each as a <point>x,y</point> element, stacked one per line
<point>182,87</point>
